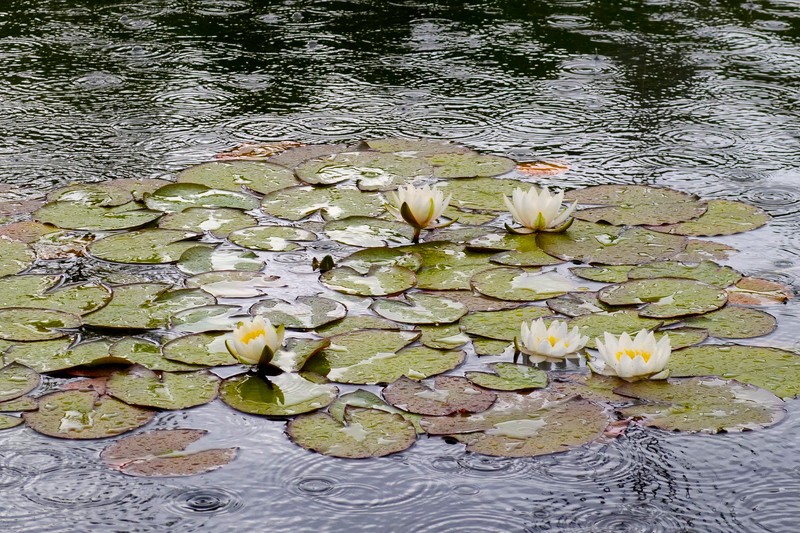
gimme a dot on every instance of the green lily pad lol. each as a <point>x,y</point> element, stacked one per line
<point>707,405</point>
<point>31,324</point>
<point>43,292</point>
<point>470,218</point>
<point>490,347</point>
<point>368,232</point>
<point>162,453</point>
<point>145,306</point>
<point>706,271</point>
<point>163,391</point>
<point>588,242</point>
<point>92,194</point>
<point>379,281</point>
<point>234,283</point>
<point>376,356</point>
<point>616,323</point>
<point>723,217</point>
<point>420,308</point>
<point>520,285</point>
<point>16,380</point>
<point>481,194</point>
<point>60,354</point>
<point>632,205</point>
<point>509,377</point>
<point>603,273</point>
<point>180,196</point>
<point>501,325</point>
<point>575,304</point>
<point>372,171</point>
<point>450,394</point>
<point>258,176</point>
<point>364,433</point>
<point>732,322</point>
<point>699,250</point>
<point>769,368</point>
<point>285,394</point>
<point>416,147</point>
<point>447,266</point>
<point>271,238</point>
<point>218,222</point>
<point>10,421</point>
<point>206,349</point>
<point>292,356</point>
<point>589,386</point>
<point>151,246</point>
<point>368,400</point>
<point>518,250</point>
<point>356,322</point>
<point>469,165</point>
<point>23,403</point>
<point>14,256</point>
<point>147,354</point>
<point>363,260</point>
<point>85,415</point>
<point>335,203</point>
<point>445,337</point>
<point>74,215</point>
<point>199,259</point>
<point>682,337</point>
<point>306,312</point>
<point>665,297</point>
<point>294,156</point>
<point>206,318</point>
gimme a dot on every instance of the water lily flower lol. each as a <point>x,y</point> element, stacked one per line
<point>255,341</point>
<point>632,359</point>
<point>419,207</point>
<point>538,210</point>
<point>548,343</point>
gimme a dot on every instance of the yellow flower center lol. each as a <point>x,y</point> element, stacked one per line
<point>553,340</point>
<point>633,353</point>
<point>252,335</point>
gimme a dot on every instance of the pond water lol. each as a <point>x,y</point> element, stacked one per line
<point>699,96</point>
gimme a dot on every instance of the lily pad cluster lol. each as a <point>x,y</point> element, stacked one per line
<point>131,318</point>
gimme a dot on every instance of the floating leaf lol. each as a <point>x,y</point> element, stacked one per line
<point>368,232</point>
<point>206,318</point>
<point>597,243</point>
<point>151,246</point>
<point>363,260</point>
<point>631,205</point>
<point>520,250</point>
<point>733,322</point>
<point>30,324</point>
<point>292,356</point>
<point>363,398</point>
<point>354,323</point>
<point>334,203</point>
<point>577,304</point>
<point>61,354</point>
<point>74,215</point>
<point>379,281</point>
<point>14,256</point>
<point>707,405</point>
<point>207,349</point>
<point>705,271</point>
<point>9,421</point>
<point>16,380</point>
<point>271,238</point>
<point>481,194</point>
<point>542,168</point>
<point>682,337</point>
<point>420,308</point>
<point>490,347</point>
<point>294,156</point>
<point>92,194</point>
<point>603,274</point>
<point>509,377</point>
<point>84,415</point>
<point>218,222</point>
<point>199,259</point>
<point>757,291</point>
<point>416,147</point>
<point>469,165</point>
<point>501,325</point>
<point>180,196</point>
<point>257,151</point>
<point>615,323</point>
<point>723,217</point>
<point>446,337</point>
<point>258,176</point>
<point>364,433</point>
<point>665,297</point>
<point>373,171</point>
<point>234,283</point>
<point>447,266</point>
<point>43,292</point>
<point>450,394</point>
<point>26,231</point>
<point>163,391</point>
<point>24,403</point>
<point>306,312</point>
<point>162,453</point>
<point>147,354</point>
<point>519,285</point>
<point>284,395</point>
<point>699,250</point>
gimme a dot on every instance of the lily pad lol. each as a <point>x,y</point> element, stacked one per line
<point>206,349</point>
<point>481,194</point>
<point>145,388</point>
<point>162,453</point>
<point>520,285</point>
<point>519,250</point>
<point>14,256</point>
<point>206,318</point>
<point>698,250</point>
<point>368,400</point>
<point>294,156</point>
<point>577,304</point>
<point>285,394</point>
<point>603,273</point>
<point>450,394</point>
<point>16,380</point>
<point>78,216</point>
<point>632,205</point>
<point>757,291</point>
<point>85,415</point>
<point>616,323</point>
<point>769,368</point>
<point>682,337</point>
<point>292,356</point>
<point>469,165</point>
<point>363,260</point>
<point>43,292</point>
<point>707,405</point>
<point>271,238</point>
<point>10,421</point>
<point>445,337</point>
<point>306,312</point>
<point>416,147</point>
<point>60,354</point>
<point>490,347</point>
<point>364,433</point>
<point>218,222</point>
<point>665,297</point>
<point>153,246</point>
<point>705,271</point>
<point>180,196</point>
<point>23,403</point>
<point>588,242</point>
<point>723,217</point>
<point>501,325</point>
<point>732,322</point>
<point>509,377</point>
<point>30,324</point>
<point>234,283</point>
<point>379,281</point>
<point>258,176</point>
<point>356,322</point>
<point>368,232</point>
<point>447,266</point>
<point>199,259</point>
<point>372,171</point>
<point>334,203</point>
<point>420,308</point>
<point>147,354</point>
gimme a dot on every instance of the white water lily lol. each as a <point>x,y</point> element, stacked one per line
<point>538,210</point>
<point>418,206</point>
<point>632,359</point>
<point>255,341</point>
<point>549,343</point>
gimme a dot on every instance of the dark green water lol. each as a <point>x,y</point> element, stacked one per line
<point>701,96</point>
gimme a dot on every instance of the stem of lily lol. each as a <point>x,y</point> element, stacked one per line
<point>267,371</point>
<point>417,232</point>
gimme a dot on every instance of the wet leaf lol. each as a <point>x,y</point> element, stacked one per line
<point>490,347</point>
<point>368,232</point>
<point>306,312</point>
<point>218,222</point>
<point>147,354</point>
<point>61,354</point>
<point>446,337</point>
<point>30,324</point>
<point>357,322</point>
<point>481,194</point>
<point>258,176</point>
<point>285,394</point>
<point>16,380</point>
<point>705,271</point>
<point>577,304</point>
<point>368,400</point>
<point>234,283</point>
<point>519,250</point>
<point>379,281</point>
<point>447,266</point>
<point>75,215</point>
<point>509,377</point>
<point>152,246</point>
<point>699,250</point>
<point>180,196</point>
<point>9,421</point>
<point>450,394</point>
<point>372,171</point>
<point>723,217</point>
<point>416,147</point>
<point>501,325</point>
<point>603,273</point>
<point>166,390</point>
<point>294,156</point>
<point>271,238</point>
<point>469,165</point>
<point>520,285</point>
<point>363,260</point>
<point>542,168</point>
<point>683,337</point>
<point>14,256</point>
<point>732,322</point>
<point>632,205</point>
<point>25,231</point>
<point>46,292</point>
<point>206,318</point>
<point>199,259</point>
<point>757,291</point>
<point>665,297</point>
<point>420,308</point>
<point>334,203</point>
<point>206,349</point>
<point>24,403</point>
<point>616,323</point>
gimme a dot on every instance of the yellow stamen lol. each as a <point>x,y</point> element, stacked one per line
<point>633,353</point>
<point>252,335</point>
<point>553,340</point>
